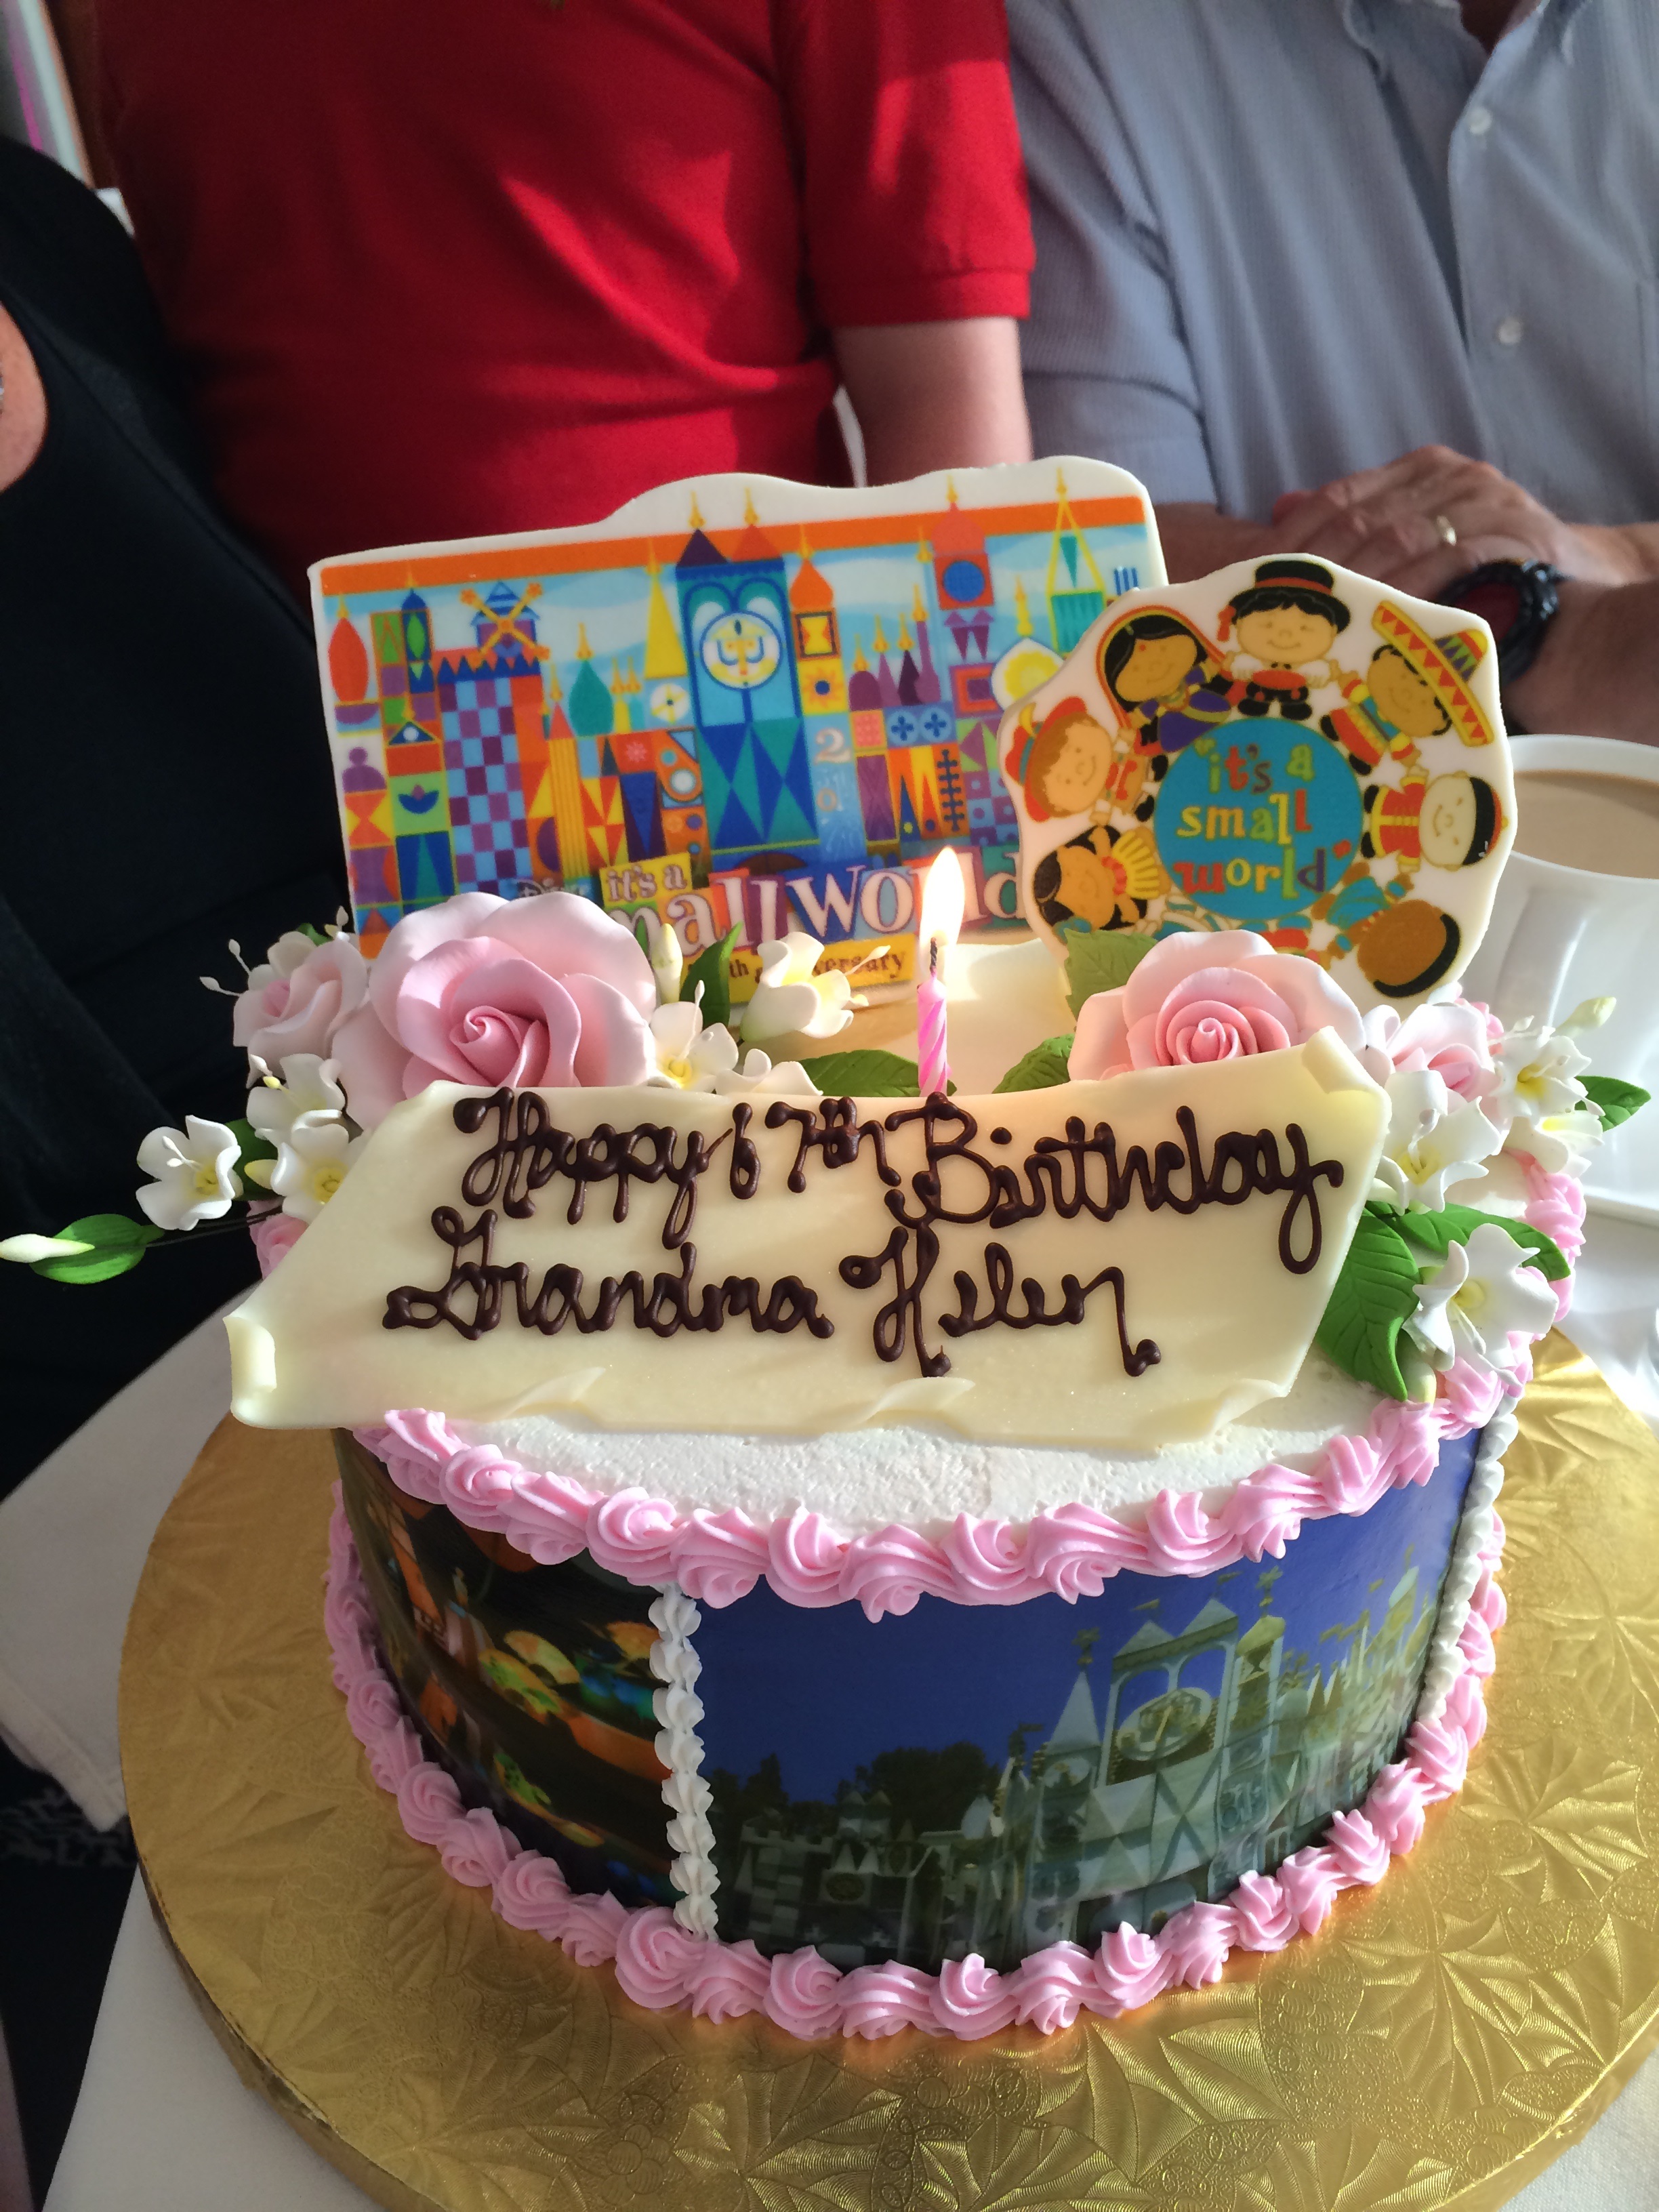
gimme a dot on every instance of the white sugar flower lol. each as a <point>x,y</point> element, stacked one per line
<point>1486,1291</point>
<point>667,964</point>
<point>309,1091</point>
<point>790,999</point>
<point>688,1057</point>
<point>1538,1070</point>
<point>195,1172</point>
<point>1540,1096</point>
<point>27,1249</point>
<point>788,1080</point>
<point>314,1160</point>
<point>1434,1139</point>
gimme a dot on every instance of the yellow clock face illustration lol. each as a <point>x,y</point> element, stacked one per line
<point>742,649</point>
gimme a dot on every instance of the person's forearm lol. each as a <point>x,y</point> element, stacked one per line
<point>1597,674</point>
<point>1631,550</point>
<point>935,395</point>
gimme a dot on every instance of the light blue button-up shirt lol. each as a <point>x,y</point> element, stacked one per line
<point>1281,240</point>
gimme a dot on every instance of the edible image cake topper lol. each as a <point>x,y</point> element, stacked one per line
<point>735,703</point>
<point>1282,746</point>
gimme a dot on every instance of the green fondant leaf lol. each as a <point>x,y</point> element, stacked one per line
<point>119,1244</point>
<point>712,968</point>
<point>251,1144</point>
<point>1617,1099</point>
<point>1374,1294</point>
<point>1044,1066</point>
<point>864,1075</point>
<point>1100,960</point>
<point>1455,1225</point>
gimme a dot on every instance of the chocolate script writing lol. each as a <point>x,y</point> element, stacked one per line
<point>1081,1171</point>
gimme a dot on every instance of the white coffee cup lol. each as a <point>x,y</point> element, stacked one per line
<point>1561,934</point>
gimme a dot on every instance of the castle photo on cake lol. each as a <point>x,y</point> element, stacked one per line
<point>1020,1793</point>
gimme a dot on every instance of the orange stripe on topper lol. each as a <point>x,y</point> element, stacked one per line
<point>571,556</point>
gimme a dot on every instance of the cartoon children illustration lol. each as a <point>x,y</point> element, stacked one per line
<point>1105,879</point>
<point>1074,765</point>
<point>1415,687</point>
<point>1407,949</point>
<point>1165,679</point>
<point>1286,622</point>
<point>1404,946</point>
<point>1451,820</point>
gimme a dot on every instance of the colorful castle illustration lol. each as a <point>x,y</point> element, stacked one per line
<point>729,710</point>
<point>1210,1753</point>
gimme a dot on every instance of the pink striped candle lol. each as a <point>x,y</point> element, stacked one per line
<point>942,903</point>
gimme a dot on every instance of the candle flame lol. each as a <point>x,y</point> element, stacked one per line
<point>943,901</point>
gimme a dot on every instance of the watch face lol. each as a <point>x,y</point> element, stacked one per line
<point>1496,601</point>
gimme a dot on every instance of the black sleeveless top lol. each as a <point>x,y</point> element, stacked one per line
<point>166,787</point>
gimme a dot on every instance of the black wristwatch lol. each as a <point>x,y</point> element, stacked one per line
<point>1517,600</point>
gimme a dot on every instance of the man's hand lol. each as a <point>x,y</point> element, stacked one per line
<point>1422,521</point>
<point>935,395</point>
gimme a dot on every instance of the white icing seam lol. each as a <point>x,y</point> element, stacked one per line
<point>1473,1542</point>
<point>675,1663</point>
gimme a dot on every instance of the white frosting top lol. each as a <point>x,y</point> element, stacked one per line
<point>863,1478</point>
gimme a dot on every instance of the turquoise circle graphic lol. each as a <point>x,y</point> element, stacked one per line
<point>1258,819</point>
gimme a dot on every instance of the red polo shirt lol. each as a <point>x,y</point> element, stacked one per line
<point>438,267</point>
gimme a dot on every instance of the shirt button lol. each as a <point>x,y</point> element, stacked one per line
<point>1479,121</point>
<point>1511,331</point>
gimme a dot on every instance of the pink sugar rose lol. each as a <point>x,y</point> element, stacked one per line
<point>273,1234</point>
<point>301,1010</point>
<point>1452,1041</point>
<point>1196,998</point>
<point>486,991</point>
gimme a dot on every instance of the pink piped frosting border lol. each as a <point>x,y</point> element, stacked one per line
<point>1070,1552</point>
<point>662,1965</point>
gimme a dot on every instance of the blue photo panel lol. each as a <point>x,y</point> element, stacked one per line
<point>987,1779</point>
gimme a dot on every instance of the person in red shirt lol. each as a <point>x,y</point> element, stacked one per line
<point>435,269</point>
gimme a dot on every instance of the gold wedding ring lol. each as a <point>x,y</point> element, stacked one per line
<point>1445,529</point>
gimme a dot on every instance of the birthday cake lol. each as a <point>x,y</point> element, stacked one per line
<point>882,1552</point>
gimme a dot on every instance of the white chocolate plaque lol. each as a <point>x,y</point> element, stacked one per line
<point>1127,1262</point>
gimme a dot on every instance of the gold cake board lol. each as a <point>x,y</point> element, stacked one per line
<point>1437,2044</point>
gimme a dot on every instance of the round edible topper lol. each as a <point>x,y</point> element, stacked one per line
<point>1259,818</point>
<point>742,650</point>
<point>1282,747</point>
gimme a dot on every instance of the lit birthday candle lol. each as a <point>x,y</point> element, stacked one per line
<point>941,921</point>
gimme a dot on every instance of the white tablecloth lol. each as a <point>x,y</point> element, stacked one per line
<point>163,2125</point>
